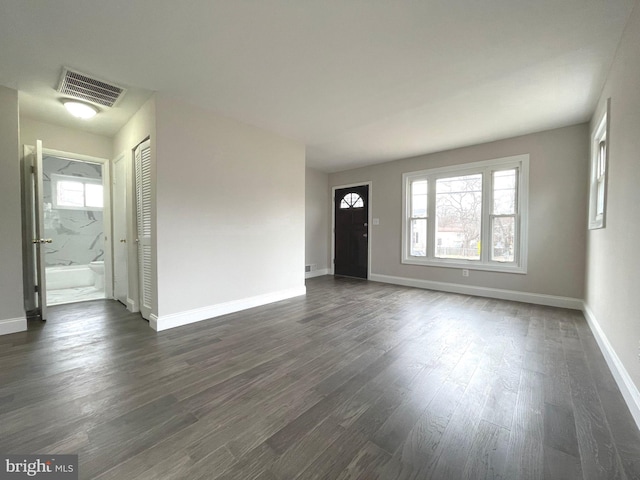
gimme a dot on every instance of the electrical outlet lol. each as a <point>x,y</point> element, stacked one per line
<point>465,272</point>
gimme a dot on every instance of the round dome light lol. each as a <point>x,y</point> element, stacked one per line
<point>79,109</point>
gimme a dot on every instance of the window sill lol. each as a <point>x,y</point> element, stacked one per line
<point>80,209</point>
<point>467,265</point>
<point>596,224</point>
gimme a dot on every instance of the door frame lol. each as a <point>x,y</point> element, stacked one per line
<point>34,275</point>
<point>106,209</point>
<point>131,230</point>
<point>333,223</point>
<point>124,160</point>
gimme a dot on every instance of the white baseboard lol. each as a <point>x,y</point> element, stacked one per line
<point>628,389</point>
<point>153,322</point>
<point>317,273</point>
<point>132,305</point>
<point>535,298</point>
<point>13,325</point>
<point>164,322</point>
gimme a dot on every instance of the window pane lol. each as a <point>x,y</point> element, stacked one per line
<point>600,198</point>
<point>418,242</point>
<point>419,198</point>
<point>70,194</point>
<point>351,200</point>
<point>503,239</point>
<point>602,155</point>
<point>94,197</point>
<point>458,217</point>
<point>504,192</point>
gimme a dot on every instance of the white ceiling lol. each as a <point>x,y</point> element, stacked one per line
<point>358,81</point>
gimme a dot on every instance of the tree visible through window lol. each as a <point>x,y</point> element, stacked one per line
<point>503,215</point>
<point>472,216</point>
<point>458,217</point>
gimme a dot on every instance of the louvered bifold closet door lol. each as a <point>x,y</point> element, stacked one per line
<point>143,209</point>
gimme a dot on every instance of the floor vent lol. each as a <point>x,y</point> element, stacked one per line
<point>82,86</point>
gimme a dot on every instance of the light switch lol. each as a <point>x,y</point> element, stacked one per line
<point>376,221</point>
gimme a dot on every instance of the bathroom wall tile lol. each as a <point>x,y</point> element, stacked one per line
<point>77,235</point>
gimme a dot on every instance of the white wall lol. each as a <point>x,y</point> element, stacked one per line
<point>557,215</point>
<point>613,254</point>
<point>317,221</point>
<point>66,139</point>
<point>230,214</point>
<point>12,316</point>
<point>140,126</point>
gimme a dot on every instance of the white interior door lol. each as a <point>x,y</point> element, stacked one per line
<point>142,163</point>
<point>39,240</point>
<point>29,231</point>
<point>120,249</point>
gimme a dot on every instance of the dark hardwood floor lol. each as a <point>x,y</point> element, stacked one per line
<point>355,380</point>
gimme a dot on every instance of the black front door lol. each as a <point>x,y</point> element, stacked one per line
<point>352,231</point>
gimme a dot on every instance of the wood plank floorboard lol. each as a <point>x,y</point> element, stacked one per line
<point>355,380</point>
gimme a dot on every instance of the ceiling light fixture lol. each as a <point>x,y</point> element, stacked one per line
<point>79,109</point>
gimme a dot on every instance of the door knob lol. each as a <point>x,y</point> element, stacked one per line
<point>42,240</point>
<point>123,240</point>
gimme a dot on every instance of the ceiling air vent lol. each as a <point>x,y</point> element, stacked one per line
<point>84,87</point>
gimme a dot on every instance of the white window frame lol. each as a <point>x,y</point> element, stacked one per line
<point>598,176</point>
<point>55,178</point>
<point>486,167</point>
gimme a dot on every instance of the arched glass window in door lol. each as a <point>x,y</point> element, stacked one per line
<point>351,200</point>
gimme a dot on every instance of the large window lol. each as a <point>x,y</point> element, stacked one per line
<point>468,216</point>
<point>598,180</point>
<point>76,193</point>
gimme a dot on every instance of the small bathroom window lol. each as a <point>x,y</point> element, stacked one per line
<point>76,193</point>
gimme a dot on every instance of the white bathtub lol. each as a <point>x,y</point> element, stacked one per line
<point>69,277</point>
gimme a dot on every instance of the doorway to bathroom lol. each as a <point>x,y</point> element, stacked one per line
<point>71,216</point>
<point>74,221</point>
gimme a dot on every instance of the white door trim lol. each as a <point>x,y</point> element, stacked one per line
<point>121,190</point>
